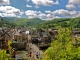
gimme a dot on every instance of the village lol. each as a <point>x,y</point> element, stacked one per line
<point>28,44</point>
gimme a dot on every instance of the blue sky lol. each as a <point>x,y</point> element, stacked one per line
<point>43,9</point>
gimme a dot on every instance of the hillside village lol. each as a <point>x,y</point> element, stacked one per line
<point>39,29</point>
<point>23,38</point>
<point>26,43</point>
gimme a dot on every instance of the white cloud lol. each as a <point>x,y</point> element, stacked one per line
<point>10,11</point>
<point>66,13</point>
<point>61,12</point>
<point>0,14</point>
<point>31,13</point>
<point>28,6</point>
<point>8,15</point>
<point>46,16</point>
<point>71,7</point>
<point>74,2</point>
<point>3,2</point>
<point>43,2</point>
<point>49,15</point>
<point>39,14</point>
<point>75,13</point>
<point>35,14</point>
<point>42,16</point>
<point>57,13</point>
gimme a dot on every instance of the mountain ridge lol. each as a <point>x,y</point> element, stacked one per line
<point>23,21</point>
<point>36,22</point>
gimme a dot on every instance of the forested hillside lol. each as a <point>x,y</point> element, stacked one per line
<point>36,22</point>
<point>63,22</point>
<point>24,21</point>
<point>4,23</point>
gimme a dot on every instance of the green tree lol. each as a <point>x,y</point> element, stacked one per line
<point>3,55</point>
<point>63,47</point>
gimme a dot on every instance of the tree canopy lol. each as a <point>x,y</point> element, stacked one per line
<point>63,47</point>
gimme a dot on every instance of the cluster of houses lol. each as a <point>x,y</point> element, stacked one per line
<point>32,35</point>
<point>37,36</point>
<point>21,36</point>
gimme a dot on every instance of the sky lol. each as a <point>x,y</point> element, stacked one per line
<point>43,9</point>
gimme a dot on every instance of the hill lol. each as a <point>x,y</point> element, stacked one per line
<point>4,23</point>
<point>24,21</point>
<point>36,22</point>
<point>63,22</point>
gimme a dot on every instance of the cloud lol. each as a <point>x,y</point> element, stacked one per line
<point>45,2</point>
<point>42,16</point>
<point>10,11</point>
<point>39,14</point>
<point>71,7</point>
<point>74,2</point>
<point>45,16</point>
<point>61,12</point>
<point>28,6</point>
<point>4,2</point>
<point>8,15</point>
<point>75,13</point>
<point>49,15</point>
<point>31,13</point>
<point>35,14</point>
<point>0,14</point>
<point>57,13</point>
<point>66,13</point>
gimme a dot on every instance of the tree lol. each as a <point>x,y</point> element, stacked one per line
<point>3,55</point>
<point>63,47</point>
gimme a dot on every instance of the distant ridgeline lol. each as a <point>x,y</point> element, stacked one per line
<point>63,22</point>
<point>36,22</point>
<point>21,22</point>
<point>4,23</point>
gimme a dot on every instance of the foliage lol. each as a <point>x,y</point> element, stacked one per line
<point>63,22</point>
<point>21,22</point>
<point>3,55</point>
<point>4,23</point>
<point>36,22</point>
<point>62,48</point>
<point>9,43</point>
